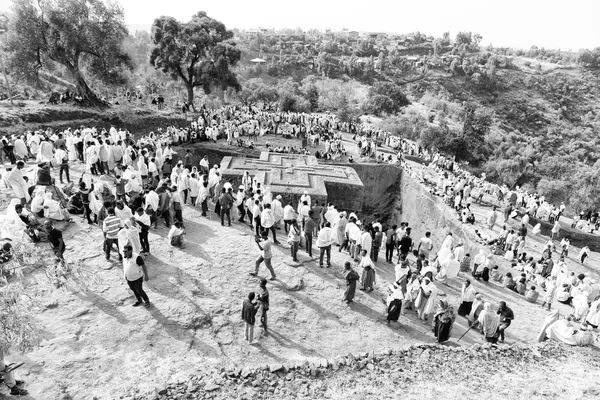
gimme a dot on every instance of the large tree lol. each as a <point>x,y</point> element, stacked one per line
<point>199,52</point>
<point>80,35</point>
<point>385,97</point>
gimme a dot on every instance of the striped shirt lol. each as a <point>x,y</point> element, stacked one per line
<point>111,226</point>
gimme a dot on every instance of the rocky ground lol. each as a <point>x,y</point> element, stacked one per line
<point>190,343</point>
<point>415,372</point>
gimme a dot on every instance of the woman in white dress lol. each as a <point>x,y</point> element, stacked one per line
<point>72,151</point>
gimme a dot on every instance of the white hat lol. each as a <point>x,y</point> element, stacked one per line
<point>306,192</point>
<point>278,197</point>
<point>241,187</point>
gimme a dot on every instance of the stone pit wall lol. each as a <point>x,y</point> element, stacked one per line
<point>426,212</point>
<point>381,194</point>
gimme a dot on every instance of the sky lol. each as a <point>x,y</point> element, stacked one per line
<point>555,24</point>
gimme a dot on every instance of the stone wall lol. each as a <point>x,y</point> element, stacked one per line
<point>381,196</point>
<point>426,212</point>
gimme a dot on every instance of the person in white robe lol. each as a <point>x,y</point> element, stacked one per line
<point>17,182</point>
<point>194,188</point>
<point>53,210</point>
<point>267,196</point>
<point>45,153</point>
<point>303,198</point>
<point>71,149</point>
<point>129,234</point>
<point>124,213</point>
<point>580,304</point>
<point>21,149</point>
<point>277,210</point>
<point>366,241</point>
<point>593,315</point>
<point>34,144</point>
<point>448,242</point>
<point>426,299</point>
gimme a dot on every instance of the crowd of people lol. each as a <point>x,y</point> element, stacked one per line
<point>135,183</point>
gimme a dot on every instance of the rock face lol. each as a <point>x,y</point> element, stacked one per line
<point>382,196</point>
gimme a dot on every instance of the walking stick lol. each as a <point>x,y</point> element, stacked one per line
<point>471,327</point>
<point>60,198</point>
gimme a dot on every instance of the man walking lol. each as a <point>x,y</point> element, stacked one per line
<point>506,317</point>
<point>63,160</point>
<point>351,277</point>
<point>249,309</point>
<point>144,221</point>
<point>111,226</point>
<point>324,242</point>
<point>226,201</point>
<point>135,273</point>
<point>390,239</point>
<point>309,230</point>
<point>405,245</point>
<point>266,254</point>
<point>425,245</point>
<point>267,221</point>
<point>289,214</point>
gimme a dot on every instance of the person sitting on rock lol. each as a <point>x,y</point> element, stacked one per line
<point>7,375</point>
<point>176,234</point>
<point>508,282</point>
<point>531,295</point>
<point>495,274</point>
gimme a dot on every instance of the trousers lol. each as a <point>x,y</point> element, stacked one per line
<point>138,290</point>
<point>326,249</point>
<point>267,261</point>
<point>249,332</point>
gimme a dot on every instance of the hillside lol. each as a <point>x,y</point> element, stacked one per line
<point>526,118</point>
<point>538,111</point>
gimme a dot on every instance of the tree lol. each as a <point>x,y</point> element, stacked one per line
<point>199,52</point>
<point>475,42</point>
<point>256,90</point>
<point>589,58</point>
<point>138,48</point>
<point>345,113</point>
<point>84,35</point>
<point>312,96</point>
<point>385,97</point>
<point>463,38</point>
<point>471,145</point>
<point>446,39</point>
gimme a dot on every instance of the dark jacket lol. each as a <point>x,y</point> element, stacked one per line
<point>226,200</point>
<point>249,312</point>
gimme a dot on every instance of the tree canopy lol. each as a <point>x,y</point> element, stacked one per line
<point>199,52</point>
<point>83,35</point>
<point>385,97</point>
